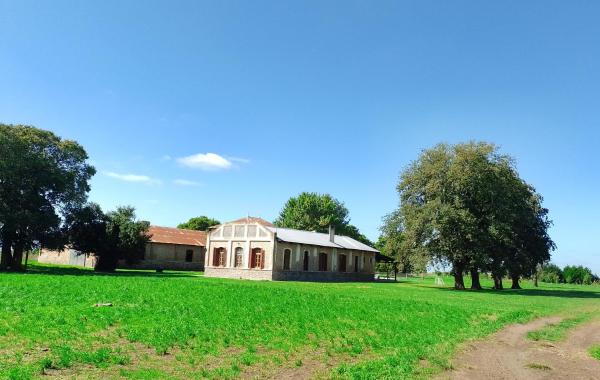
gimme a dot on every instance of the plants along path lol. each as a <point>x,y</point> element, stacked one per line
<point>510,354</point>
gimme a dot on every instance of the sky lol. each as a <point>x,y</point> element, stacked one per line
<point>228,108</point>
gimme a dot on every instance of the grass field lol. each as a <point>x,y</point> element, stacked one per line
<point>181,325</point>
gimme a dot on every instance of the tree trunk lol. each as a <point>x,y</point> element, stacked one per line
<point>459,281</point>
<point>105,264</point>
<point>6,258</point>
<point>475,283</point>
<point>515,282</point>
<point>535,281</point>
<point>17,257</point>
<point>498,282</point>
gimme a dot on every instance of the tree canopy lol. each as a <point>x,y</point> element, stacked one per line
<point>110,237</point>
<point>316,212</point>
<point>42,178</point>
<point>465,205</point>
<point>199,223</point>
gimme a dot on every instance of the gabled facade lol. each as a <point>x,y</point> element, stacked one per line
<point>252,248</point>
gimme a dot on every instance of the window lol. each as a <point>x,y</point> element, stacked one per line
<point>286,259</point>
<point>239,257</point>
<point>356,263</point>
<point>189,255</point>
<point>251,231</point>
<point>219,257</point>
<point>305,263</point>
<point>341,263</point>
<point>322,261</point>
<point>227,231</point>
<point>257,258</point>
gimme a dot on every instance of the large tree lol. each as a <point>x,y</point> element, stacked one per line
<point>42,177</point>
<point>199,223</point>
<point>465,205</point>
<point>316,212</point>
<point>110,237</point>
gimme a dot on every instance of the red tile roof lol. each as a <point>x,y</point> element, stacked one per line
<point>252,219</point>
<point>169,235</point>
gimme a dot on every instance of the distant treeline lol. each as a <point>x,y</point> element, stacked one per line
<point>570,274</point>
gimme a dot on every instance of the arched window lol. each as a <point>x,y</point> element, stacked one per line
<point>306,261</point>
<point>323,262</point>
<point>239,257</point>
<point>287,253</point>
<point>257,258</point>
<point>219,257</point>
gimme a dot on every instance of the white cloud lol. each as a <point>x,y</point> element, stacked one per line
<point>206,161</point>
<point>185,182</point>
<point>133,178</point>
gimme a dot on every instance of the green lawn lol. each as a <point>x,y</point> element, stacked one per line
<point>181,325</point>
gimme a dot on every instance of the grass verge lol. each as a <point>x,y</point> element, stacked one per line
<point>558,331</point>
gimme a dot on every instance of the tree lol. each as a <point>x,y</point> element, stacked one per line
<point>316,212</point>
<point>42,177</point>
<point>578,274</point>
<point>110,238</point>
<point>393,242</point>
<point>465,205</point>
<point>199,223</point>
<point>551,273</point>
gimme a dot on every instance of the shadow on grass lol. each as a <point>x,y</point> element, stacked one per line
<point>74,271</point>
<point>566,293</point>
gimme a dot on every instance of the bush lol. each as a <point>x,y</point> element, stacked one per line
<point>551,273</point>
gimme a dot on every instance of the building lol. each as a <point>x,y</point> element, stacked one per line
<point>169,248</point>
<point>252,248</point>
<point>173,248</point>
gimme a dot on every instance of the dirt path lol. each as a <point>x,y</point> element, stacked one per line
<point>508,354</point>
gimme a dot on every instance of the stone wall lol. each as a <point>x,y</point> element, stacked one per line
<point>322,276</point>
<point>66,257</point>
<point>239,273</point>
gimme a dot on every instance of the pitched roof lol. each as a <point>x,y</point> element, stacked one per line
<point>252,219</point>
<point>320,239</point>
<point>169,235</point>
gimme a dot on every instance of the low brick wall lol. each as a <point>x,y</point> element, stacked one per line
<point>322,276</point>
<point>239,274</point>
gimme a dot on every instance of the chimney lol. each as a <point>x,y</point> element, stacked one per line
<point>331,233</point>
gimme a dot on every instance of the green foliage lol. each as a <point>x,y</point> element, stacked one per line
<point>211,328</point>
<point>111,237</point>
<point>316,212</point>
<point>199,223</point>
<point>551,273</point>
<point>465,205</point>
<point>41,177</point>
<point>595,352</point>
<point>578,275</point>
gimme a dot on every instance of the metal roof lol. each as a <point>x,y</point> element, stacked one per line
<point>169,235</point>
<point>320,239</point>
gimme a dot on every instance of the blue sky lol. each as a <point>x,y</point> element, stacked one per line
<point>324,96</point>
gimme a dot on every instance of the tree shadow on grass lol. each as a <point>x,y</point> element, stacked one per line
<point>552,292</point>
<point>35,269</point>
